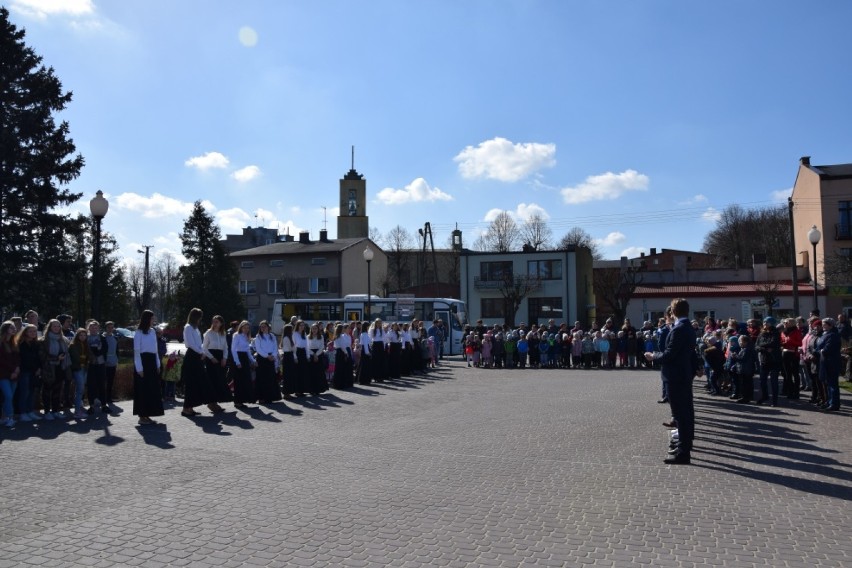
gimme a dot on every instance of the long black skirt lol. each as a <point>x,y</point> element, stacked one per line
<point>217,379</point>
<point>378,365</point>
<point>266,381</point>
<point>364,374</point>
<point>316,376</point>
<point>147,400</point>
<point>289,370</point>
<point>194,378</point>
<point>394,360</point>
<point>303,382</point>
<point>243,387</point>
<point>342,370</point>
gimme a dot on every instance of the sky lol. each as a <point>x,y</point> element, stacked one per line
<point>638,121</point>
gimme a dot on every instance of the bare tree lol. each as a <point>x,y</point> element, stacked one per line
<point>577,236</point>
<point>502,235</point>
<point>376,236</point>
<point>399,246</point>
<point>741,233</point>
<point>769,292</point>
<point>289,284</point>
<point>614,288</point>
<point>164,279</point>
<point>514,288</point>
<point>536,234</point>
<point>837,270</point>
<point>135,277</point>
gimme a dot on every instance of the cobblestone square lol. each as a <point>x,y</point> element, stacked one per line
<point>465,467</point>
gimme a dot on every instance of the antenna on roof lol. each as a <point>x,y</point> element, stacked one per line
<point>353,156</point>
<point>324,223</point>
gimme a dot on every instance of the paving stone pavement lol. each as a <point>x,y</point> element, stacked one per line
<point>467,467</point>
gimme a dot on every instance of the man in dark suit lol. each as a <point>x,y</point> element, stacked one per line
<point>678,368</point>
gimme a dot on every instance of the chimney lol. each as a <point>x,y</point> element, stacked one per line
<point>288,238</point>
<point>324,236</point>
<point>653,251</point>
<point>805,160</point>
<point>305,238</point>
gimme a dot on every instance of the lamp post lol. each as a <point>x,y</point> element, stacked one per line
<point>814,236</point>
<point>368,256</point>
<point>98,207</point>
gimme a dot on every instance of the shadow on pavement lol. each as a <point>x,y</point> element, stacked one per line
<point>156,435</point>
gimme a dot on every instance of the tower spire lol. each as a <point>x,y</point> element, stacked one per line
<point>353,157</point>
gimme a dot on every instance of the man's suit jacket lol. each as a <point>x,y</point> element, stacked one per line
<point>677,357</point>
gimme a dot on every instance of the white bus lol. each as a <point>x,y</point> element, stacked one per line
<point>354,308</point>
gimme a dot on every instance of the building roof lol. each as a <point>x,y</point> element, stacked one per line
<point>296,247</point>
<point>718,289</point>
<point>837,171</point>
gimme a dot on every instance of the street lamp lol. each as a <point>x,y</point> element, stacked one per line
<point>368,256</point>
<point>814,236</point>
<point>98,207</point>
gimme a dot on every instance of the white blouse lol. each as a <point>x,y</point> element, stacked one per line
<point>144,343</point>
<point>214,340</point>
<point>315,345</point>
<point>365,343</point>
<point>192,339</point>
<point>343,342</point>
<point>299,340</point>
<point>240,344</point>
<point>265,345</point>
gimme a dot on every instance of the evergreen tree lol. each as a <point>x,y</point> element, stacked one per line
<point>210,279</point>
<point>37,158</point>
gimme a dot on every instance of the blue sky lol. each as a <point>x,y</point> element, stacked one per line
<point>635,120</point>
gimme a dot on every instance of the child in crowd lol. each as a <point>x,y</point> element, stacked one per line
<point>498,351</point>
<point>486,350</point>
<point>171,375</point>
<point>433,352</point>
<point>596,343</point>
<point>588,350</point>
<point>330,353</point>
<point>613,349</point>
<point>621,348</point>
<point>577,349</point>
<point>714,360</point>
<point>356,353</point>
<point>543,350</point>
<point>746,363</point>
<point>510,347</point>
<point>603,349</point>
<point>632,349</point>
<point>523,349</point>
<point>567,345</point>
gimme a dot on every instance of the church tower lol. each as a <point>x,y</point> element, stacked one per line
<point>352,222</point>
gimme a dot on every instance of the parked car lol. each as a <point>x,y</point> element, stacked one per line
<point>125,341</point>
<point>171,333</point>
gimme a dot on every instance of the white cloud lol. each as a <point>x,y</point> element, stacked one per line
<point>524,211</point>
<point>416,191</point>
<point>245,174</point>
<point>502,160</point>
<point>157,205</point>
<point>42,9</point>
<point>207,161</point>
<point>612,239</point>
<point>492,214</point>
<point>633,252</point>
<point>247,36</point>
<point>711,215</point>
<point>695,200</point>
<point>605,186</point>
<point>233,220</point>
<point>781,195</point>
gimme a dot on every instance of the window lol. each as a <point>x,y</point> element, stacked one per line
<point>274,286</point>
<point>318,261</point>
<point>318,286</point>
<point>844,225</point>
<point>247,264</point>
<point>543,309</point>
<point>492,307</point>
<point>275,263</point>
<point>545,269</point>
<point>495,270</point>
<point>248,287</point>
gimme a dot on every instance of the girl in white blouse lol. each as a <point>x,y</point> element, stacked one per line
<point>215,349</point>
<point>378,364</point>
<point>316,373</point>
<point>266,380</point>
<point>342,358</point>
<point>147,399</point>
<point>289,369</point>
<point>243,363</point>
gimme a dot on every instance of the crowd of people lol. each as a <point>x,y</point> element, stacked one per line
<point>56,372</point>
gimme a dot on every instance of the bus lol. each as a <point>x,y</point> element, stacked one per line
<point>353,307</point>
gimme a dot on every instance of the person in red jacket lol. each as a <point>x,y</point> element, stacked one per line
<point>791,341</point>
